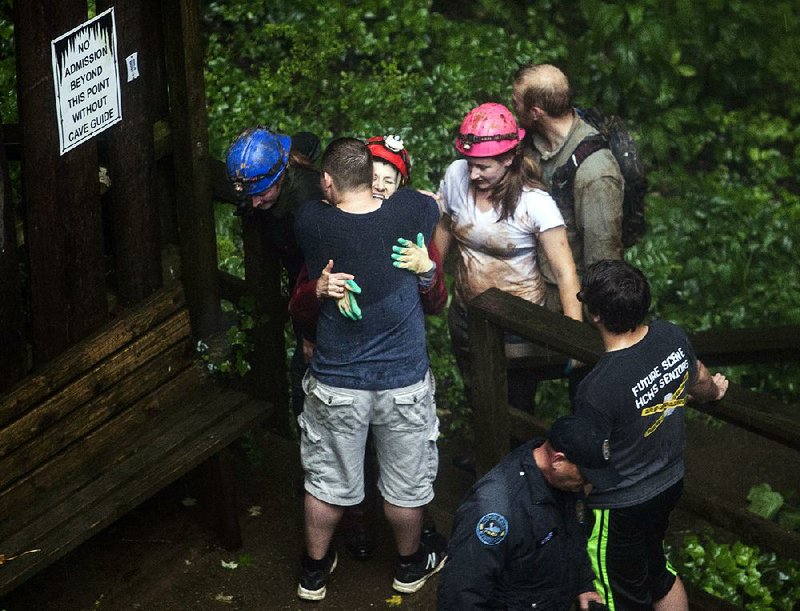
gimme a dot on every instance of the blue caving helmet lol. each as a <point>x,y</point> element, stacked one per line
<point>256,160</point>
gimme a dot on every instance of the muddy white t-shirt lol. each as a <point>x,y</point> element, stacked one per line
<point>491,253</point>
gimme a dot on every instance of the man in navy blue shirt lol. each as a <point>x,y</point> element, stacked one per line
<point>519,537</point>
<point>367,373</point>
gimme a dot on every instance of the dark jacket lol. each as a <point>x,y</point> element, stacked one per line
<point>517,543</point>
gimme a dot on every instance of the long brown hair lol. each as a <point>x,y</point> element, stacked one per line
<point>523,172</point>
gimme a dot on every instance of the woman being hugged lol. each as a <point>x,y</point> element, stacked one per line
<point>495,209</point>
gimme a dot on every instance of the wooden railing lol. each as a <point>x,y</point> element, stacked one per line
<point>494,312</point>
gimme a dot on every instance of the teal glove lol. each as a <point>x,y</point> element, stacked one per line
<point>410,256</point>
<point>348,306</point>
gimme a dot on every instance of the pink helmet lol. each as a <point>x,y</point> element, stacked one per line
<point>488,130</point>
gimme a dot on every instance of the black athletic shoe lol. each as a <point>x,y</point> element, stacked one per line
<point>360,544</point>
<point>411,576</point>
<point>312,582</point>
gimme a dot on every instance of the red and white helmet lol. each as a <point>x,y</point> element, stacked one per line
<point>488,130</point>
<point>391,150</point>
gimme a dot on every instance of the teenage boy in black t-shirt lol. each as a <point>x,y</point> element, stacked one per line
<point>635,395</point>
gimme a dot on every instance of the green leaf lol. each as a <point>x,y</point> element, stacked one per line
<point>764,501</point>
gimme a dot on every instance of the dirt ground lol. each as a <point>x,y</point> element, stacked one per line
<point>162,556</point>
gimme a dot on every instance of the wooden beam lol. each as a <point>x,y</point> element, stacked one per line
<point>13,348</point>
<point>488,393</point>
<point>61,194</point>
<point>85,355</point>
<point>131,153</point>
<point>754,411</point>
<point>189,122</point>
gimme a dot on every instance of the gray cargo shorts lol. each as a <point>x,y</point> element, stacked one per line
<point>334,426</point>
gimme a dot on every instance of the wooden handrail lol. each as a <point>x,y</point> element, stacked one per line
<point>752,411</point>
<point>494,312</point>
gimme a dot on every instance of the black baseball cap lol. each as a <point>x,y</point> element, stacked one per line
<point>578,438</point>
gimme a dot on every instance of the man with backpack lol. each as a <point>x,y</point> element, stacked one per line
<point>578,168</point>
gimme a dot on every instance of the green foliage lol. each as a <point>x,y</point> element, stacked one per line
<point>764,501</point>
<point>230,359</point>
<point>230,250</point>
<point>8,70</point>
<point>739,573</point>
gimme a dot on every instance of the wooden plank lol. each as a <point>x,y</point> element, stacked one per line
<point>13,349</point>
<point>87,354</point>
<point>64,232</point>
<point>750,345</point>
<point>80,421</point>
<point>12,140</point>
<point>540,325</point>
<point>758,413</point>
<point>489,393</point>
<point>151,470</point>
<point>189,122</point>
<point>131,155</point>
<point>96,381</point>
<point>262,271</point>
<point>100,450</point>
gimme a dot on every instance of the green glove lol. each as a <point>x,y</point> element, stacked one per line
<point>348,306</point>
<point>410,256</point>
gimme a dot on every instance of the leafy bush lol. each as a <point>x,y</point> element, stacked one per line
<point>739,573</point>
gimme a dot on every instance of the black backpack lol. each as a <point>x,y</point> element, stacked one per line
<point>614,135</point>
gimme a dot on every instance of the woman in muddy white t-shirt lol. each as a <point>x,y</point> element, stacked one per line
<point>495,210</point>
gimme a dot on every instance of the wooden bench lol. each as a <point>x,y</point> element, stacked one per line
<point>105,426</point>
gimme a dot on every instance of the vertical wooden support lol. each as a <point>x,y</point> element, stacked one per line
<point>13,357</point>
<point>220,490</point>
<point>262,271</point>
<point>490,420</point>
<point>61,193</point>
<point>184,61</point>
<point>134,213</point>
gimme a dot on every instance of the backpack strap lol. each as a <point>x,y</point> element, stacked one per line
<point>564,176</point>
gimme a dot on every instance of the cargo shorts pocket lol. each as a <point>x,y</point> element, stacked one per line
<point>332,408</point>
<point>413,410</point>
<point>311,452</point>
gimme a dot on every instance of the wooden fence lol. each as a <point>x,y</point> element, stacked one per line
<point>494,312</point>
<point>108,275</point>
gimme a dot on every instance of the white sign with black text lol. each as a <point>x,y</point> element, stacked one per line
<point>86,77</point>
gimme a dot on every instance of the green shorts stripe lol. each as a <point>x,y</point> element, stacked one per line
<point>596,546</point>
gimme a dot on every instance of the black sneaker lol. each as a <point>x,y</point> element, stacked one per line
<point>312,582</point>
<point>411,576</point>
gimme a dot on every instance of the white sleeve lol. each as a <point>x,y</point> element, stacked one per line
<point>542,210</point>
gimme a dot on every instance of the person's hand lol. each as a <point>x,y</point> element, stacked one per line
<point>437,198</point>
<point>721,382</point>
<point>308,350</point>
<point>347,304</point>
<point>587,597</point>
<point>410,256</point>
<point>330,284</point>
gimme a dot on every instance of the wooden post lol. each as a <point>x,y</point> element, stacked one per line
<point>13,357</point>
<point>134,214</point>
<point>263,278</point>
<point>220,491</point>
<point>184,60</point>
<point>61,193</point>
<point>489,392</point>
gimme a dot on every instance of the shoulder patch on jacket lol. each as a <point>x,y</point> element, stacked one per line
<point>492,529</point>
